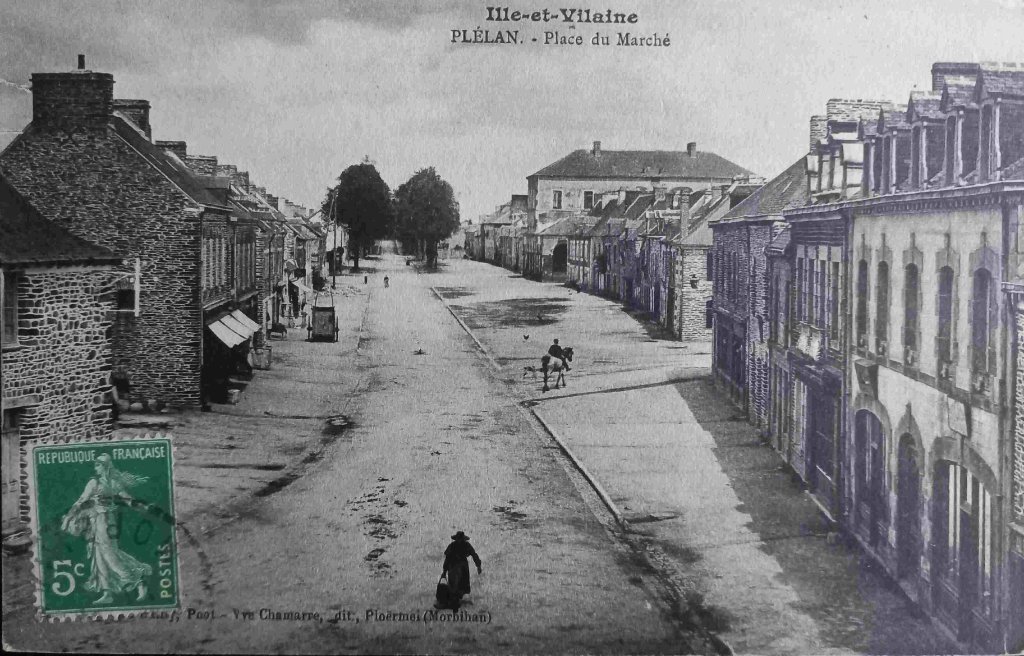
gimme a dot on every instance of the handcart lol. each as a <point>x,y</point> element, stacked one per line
<point>323,318</point>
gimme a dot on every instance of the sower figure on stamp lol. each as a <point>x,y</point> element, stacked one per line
<point>555,351</point>
<point>456,566</point>
<point>94,516</point>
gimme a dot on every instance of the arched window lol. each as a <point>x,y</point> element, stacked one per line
<point>982,353</point>
<point>911,313</point>
<point>944,331</point>
<point>862,303</point>
<point>882,309</point>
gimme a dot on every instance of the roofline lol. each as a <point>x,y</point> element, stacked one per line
<point>224,208</point>
<point>946,193</point>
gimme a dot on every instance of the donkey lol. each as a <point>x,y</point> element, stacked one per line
<point>550,365</point>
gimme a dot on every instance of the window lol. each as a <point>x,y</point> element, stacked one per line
<point>983,355</point>
<point>951,145</point>
<point>710,266</point>
<point>9,301</point>
<point>986,138</point>
<point>556,199</point>
<point>819,294</point>
<point>911,313</point>
<point>10,440</point>
<point>675,201</point>
<point>862,303</point>
<point>916,159</point>
<point>588,200</point>
<point>944,332</point>
<point>882,309</point>
<point>709,313</point>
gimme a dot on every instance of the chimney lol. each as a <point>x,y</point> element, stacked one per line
<point>77,99</point>
<point>691,149</point>
<point>228,170</point>
<point>942,70</point>
<point>659,189</point>
<point>137,111</point>
<point>202,164</point>
<point>273,200</point>
<point>177,147</point>
<point>622,196</point>
<point>717,191</point>
<point>819,128</point>
<point>684,206</point>
<point>597,149</point>
<point>241,179</point>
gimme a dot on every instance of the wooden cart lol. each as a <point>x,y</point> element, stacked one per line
<point>323,319</point>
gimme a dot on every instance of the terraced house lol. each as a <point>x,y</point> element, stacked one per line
<point>575,183</point>
<point>893,304</point>
<point>87,163</point>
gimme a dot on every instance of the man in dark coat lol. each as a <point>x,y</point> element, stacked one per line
<point>456,566</point>
<point>555,351</point>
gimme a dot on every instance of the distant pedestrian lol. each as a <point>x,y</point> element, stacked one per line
<point>366,279</point>
<point>456,566</point>
<point>387,281</point>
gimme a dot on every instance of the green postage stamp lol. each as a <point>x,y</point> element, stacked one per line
<point>102,515</point>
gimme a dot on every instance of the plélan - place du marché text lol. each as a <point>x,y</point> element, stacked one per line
<point>572,16</point>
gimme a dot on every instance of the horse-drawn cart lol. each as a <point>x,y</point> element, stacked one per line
<point>323,318</point>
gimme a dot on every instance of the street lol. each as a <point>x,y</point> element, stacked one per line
<point>335,483</point>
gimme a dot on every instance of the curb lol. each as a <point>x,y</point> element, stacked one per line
<point>490,359</point>
<point>578,464</point>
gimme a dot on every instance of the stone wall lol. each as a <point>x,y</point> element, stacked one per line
<point>99,188</point>
<point>691,304</point>
<point>63,358</point>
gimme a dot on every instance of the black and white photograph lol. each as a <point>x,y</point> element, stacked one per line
<point>460,327</point>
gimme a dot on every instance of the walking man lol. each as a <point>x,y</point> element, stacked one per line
<point>386,282</point>
<point>555,351</point>
<point>456,566</point>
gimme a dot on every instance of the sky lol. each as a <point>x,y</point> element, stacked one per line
<point>294,91</point>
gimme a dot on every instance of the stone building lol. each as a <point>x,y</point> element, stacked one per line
<point>57,302</point>
<point>575,183</point>
<point>937,237</point>
<point>94,171</point>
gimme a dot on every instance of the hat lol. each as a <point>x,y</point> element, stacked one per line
<point>461,536</point>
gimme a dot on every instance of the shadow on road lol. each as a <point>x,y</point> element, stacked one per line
<point>854,603</point>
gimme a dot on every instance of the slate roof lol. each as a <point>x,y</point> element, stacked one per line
<point>27,237</point>
<point>169,165</point>
<point>926,104</point>
<point>1003,79</point>
<point>958,91</point>
<point>641,164</point>
<point>893,117</point>
<point>786,190</point>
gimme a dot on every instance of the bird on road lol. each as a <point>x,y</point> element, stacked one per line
<point>526,337</point>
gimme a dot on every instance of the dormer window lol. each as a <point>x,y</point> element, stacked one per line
<point>916,156</point>
<point>985,141</point>
<point>950,163</point>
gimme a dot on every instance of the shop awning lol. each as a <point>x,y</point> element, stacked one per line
<point>233,330</point>
<point>301,287</point>
<point>246,321</point>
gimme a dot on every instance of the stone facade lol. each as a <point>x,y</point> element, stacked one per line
<point>99,177</point>
<point>58,376</point>
<point>693,290</point>
<point>1018,425</point>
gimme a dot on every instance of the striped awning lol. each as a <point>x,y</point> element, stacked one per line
<point>233,329</point>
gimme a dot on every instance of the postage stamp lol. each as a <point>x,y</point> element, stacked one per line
<point>102,516</point>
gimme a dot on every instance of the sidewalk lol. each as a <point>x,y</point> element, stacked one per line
<point>223,457</point>
<point>710,502</point>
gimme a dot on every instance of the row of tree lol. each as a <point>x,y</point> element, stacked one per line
<point>421,213</point>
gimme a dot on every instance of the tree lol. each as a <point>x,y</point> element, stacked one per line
<point>427,212</point>
<point>361,201</point>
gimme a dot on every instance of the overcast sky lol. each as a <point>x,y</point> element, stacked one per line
<point>295,91</point>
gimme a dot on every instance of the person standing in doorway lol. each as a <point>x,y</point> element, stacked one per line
<point>456,566</point>
<point>386,282</point>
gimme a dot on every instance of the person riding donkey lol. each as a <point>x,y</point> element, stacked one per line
<point>556,351</point>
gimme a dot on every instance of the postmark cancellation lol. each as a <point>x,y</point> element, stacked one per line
<point>103,526</point>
